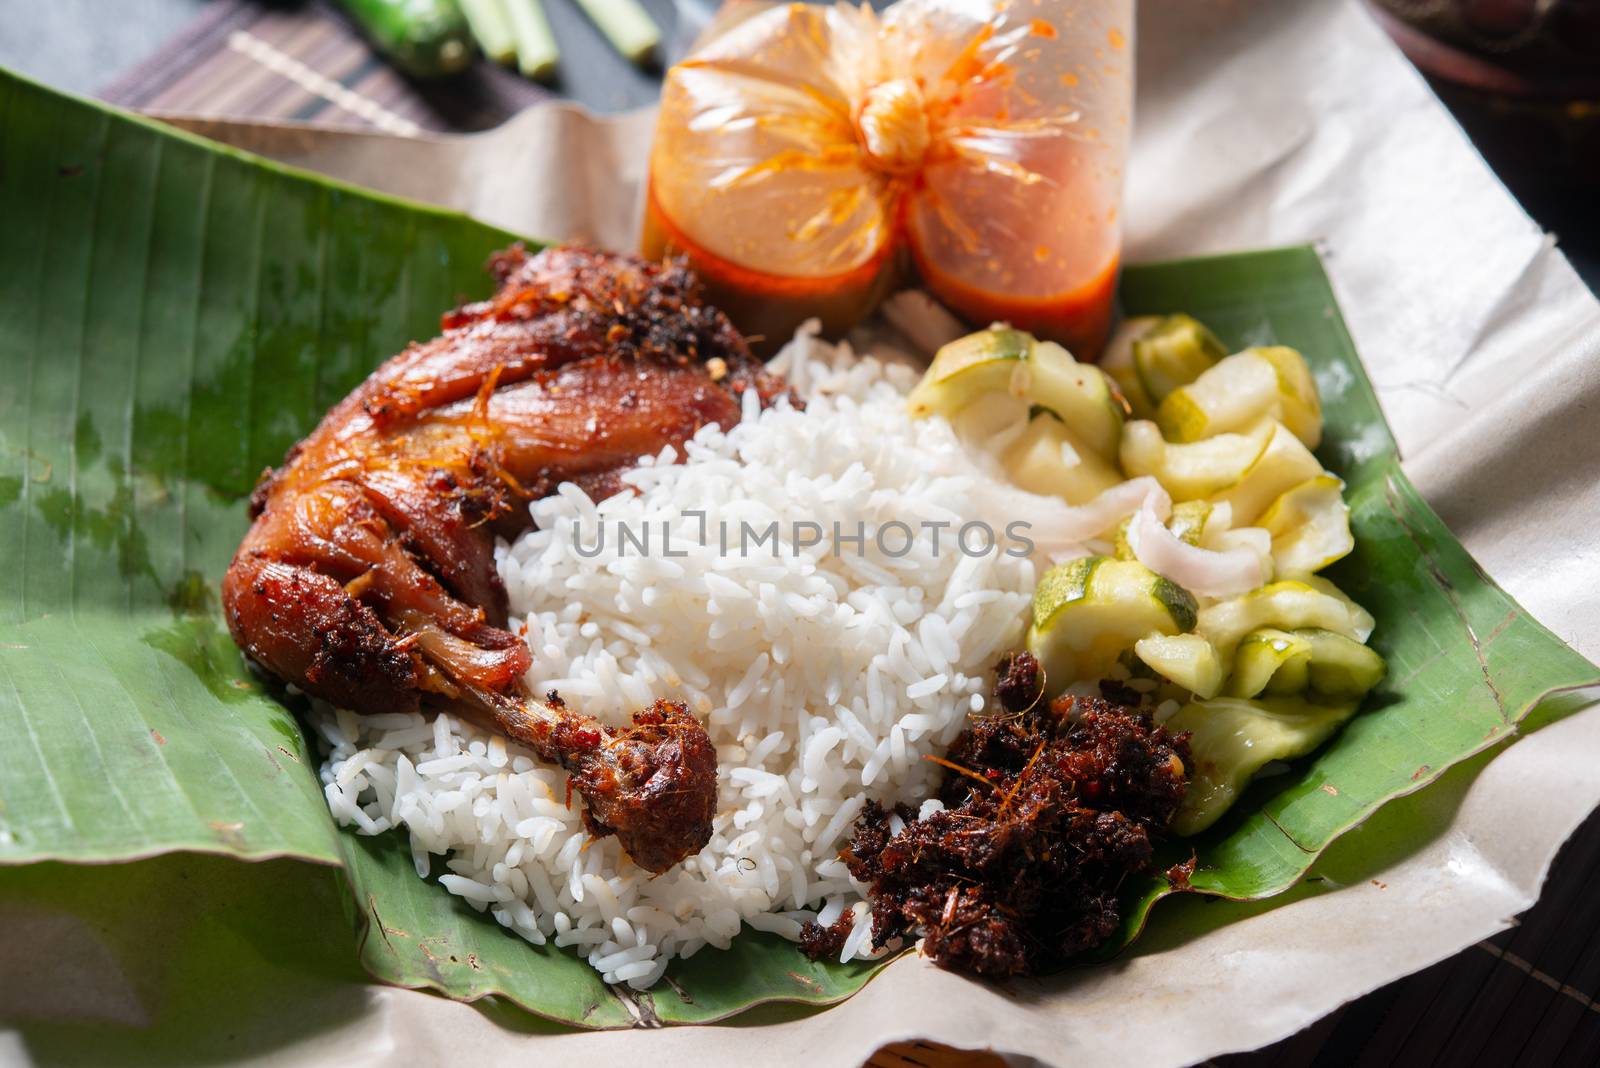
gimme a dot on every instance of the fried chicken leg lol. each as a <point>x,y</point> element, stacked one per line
<point>368,577</point>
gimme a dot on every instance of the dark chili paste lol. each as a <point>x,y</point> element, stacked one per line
<point>1048,809</point>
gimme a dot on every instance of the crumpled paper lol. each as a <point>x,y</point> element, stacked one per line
<point>1260,122</point>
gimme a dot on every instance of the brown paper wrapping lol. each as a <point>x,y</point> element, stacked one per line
<point>1260,123</point>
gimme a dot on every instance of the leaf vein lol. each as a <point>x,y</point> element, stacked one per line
<point>1446,587</point>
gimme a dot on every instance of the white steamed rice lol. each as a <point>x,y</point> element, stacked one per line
<point>822,678</point>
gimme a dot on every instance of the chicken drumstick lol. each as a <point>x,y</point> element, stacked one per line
<point>368,577</point>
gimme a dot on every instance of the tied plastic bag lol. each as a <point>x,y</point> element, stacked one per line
<point>807,158</point>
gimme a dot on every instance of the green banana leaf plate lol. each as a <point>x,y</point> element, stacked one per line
<point>173,315</point>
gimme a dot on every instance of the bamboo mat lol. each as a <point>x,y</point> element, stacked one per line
<point>1526,997</point>
<point>305,63</point>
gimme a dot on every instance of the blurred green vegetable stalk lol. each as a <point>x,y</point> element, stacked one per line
<point>435,38</point>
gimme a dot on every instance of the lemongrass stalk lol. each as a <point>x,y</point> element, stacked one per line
<point>537,53</point>
<point>627,25</point>
<point>491,25</point>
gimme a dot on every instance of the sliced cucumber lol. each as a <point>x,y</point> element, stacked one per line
<point>1080,394</point>
<point>1270,661</point>
<point>1309,661</point>
<point>1310,525</point>
<point>1287,604</point>
<point>1172,353</point>
<point>1143,451</point>
<point>1136,668</point>
<point>1122,547</point>
<point>1300,406</point>
<point>1087,612</point>
<point>1232,739</point>
<point>1197,469</point>
<point>1189,520</point>
<point>1361,621</point>
<point>1282,465</point>
<point>1186,659</point>
<point>989,361</point>
<point>1340,667</point>
<point>1001,360</point>
<point>1117,361</point>
<point>1244,539</point>
<point>1048,459</point>
<point>1231,395</point>
<point>993,421</point>
<point>1261,383</point>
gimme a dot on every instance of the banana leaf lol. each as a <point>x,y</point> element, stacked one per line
<point>173,315</point>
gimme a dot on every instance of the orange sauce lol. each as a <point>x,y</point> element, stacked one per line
<point>1080,318</point>
<point>767,308</point>
<point>770,306</point>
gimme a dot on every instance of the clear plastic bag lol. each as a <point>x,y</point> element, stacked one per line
<point>809,157</point>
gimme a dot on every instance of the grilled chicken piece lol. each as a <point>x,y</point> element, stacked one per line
<point>368,578</point>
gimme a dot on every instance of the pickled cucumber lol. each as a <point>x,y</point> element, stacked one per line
<point>1086,612</point>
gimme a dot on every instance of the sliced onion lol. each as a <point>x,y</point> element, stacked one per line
<point>1255,539</point>
<point>1212,574</point>
<point>1058,529</point>
<point>1117,503</point>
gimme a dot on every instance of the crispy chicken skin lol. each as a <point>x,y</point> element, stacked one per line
<point>368,577</point>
